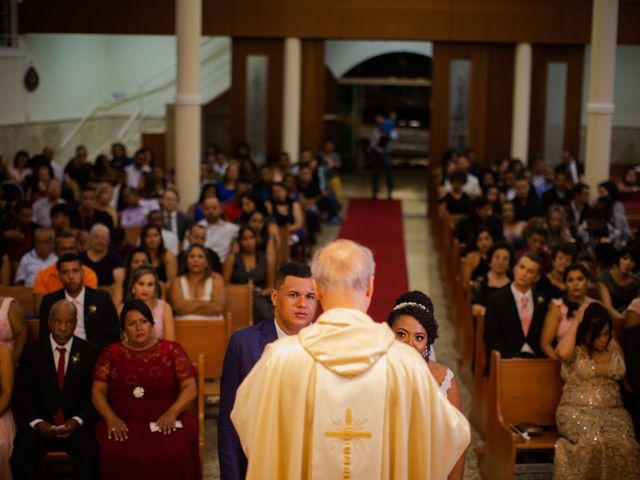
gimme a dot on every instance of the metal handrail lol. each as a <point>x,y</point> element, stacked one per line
<point>139,96</point>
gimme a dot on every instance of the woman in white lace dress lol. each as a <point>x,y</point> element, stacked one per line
<point>412,320</point>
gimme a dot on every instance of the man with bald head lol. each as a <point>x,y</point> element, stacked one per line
<point>220,233</point>
<point>52,399</point>
<point>343,398</point>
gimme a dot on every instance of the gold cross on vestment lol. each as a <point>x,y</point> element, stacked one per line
<point>347,435</point>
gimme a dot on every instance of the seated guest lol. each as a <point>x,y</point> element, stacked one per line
<point>476,263</point>
<point>619,220</point>
<point>266,232</point>
<point>51,400</point>
<point>97,320</point>
<point>220,233</point>
<point>515,315</point>
<point>136,210</point>
<point>165,262</point>
<point>535,238</point>
<point>559,194</point>
<point>251,264</point>
<point>144,382</point>
<point>569,165</point>
<point>556,225</point>
<point>480,214</point>
<point>61,220</point>
<point>196,211</point>
<point>596,433</point>
<point>472,185</point>
<point>579,206</point>
<point>47,280</point>
<point>413,322</point>
<point>139,256</point>
<point>88,212</point>
<point>17,231</point>
<point>631,346</point>
<point>174,220</point>
<point>287,213</point>
<point>553,284</point>
<point>145,286</point>
<point>501,260</point>
<point>198,235</point>
<point>294,304</point>
<point>104,196</point>
<point>617,285</point>
<point>7,426</point>
<point>120,244</point>
<point>526,203</point>
<point>227,187</point>
<point>596,230</point>
<point>13,328</point>
<point>494,197</point>
<point>197,292</point>
<point>40,257</point>
<point>169,238</point>
<point>106,263</point>
<point>456,202</point>
<point>42,207</point>
<point>629,187</point>
<point>562,309</point>
<point>511,228</point>
<point>20,170</point>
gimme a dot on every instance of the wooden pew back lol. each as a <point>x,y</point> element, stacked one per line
<point>22,295</point>
<point>240,304</point>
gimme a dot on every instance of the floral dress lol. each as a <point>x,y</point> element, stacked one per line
<point>142,386</point>
<point>597,439</point>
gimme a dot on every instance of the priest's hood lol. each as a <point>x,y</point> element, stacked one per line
<point>346,341</point>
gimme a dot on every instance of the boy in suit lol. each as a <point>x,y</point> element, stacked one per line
<point>52,398</point>
<point>294,304</point>
<point>515,315</point>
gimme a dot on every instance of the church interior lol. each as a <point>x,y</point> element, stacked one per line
<point>461,141</point>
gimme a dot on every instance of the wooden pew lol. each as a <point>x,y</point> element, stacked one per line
<point>22,295</point>
<point>209,337</point>
<point>479,391</point>
<point>520,390</point>
<point>240,304</point>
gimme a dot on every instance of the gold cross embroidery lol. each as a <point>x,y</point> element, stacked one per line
<point>347,435</point>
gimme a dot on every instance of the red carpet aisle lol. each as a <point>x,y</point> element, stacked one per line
<point>377,224</point>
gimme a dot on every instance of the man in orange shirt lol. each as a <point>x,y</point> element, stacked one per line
<point>47,280</point>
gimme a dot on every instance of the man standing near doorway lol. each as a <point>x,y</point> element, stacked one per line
<point>379,151</point>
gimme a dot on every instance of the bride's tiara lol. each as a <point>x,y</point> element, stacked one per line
<point>409,304</point>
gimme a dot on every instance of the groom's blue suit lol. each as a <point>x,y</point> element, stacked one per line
<point>244,350</point>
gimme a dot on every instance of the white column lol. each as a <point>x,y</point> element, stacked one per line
<point>291,97</point>
<point>521,103</point>
<point>188,101</point>
<point>604,32</point>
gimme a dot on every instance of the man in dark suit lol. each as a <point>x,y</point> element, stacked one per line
<point>97,317</point>
<point>559,194</point>
<point>175,221</point>
<point>294,307</point>
<point>52,399</point>
<point>515,315</point>
<point>569,165</point>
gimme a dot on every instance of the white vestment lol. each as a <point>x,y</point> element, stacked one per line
<point>344,399</point>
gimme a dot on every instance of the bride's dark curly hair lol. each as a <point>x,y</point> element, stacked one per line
<point>419,306</point>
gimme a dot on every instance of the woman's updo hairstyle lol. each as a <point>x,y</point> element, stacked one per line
<point>419,306</point>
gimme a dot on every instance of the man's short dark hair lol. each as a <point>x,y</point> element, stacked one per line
<point>579,188</point>
<point>531,230</point>
<point>64,234</point>
<point>66,258</point>
<point>534,258</point>
<point>458,176</point>
<point>292,269</point>
<point>567,248</point>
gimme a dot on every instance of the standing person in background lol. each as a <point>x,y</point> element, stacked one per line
<point>379,149</point>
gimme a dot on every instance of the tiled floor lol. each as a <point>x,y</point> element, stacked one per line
<point>423,273</point>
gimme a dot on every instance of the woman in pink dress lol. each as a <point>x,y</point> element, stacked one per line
<point>562,310</point>
<point>7,426</point>
<point>144,285</point>
<point>142,389</point>
<point>13,328</point>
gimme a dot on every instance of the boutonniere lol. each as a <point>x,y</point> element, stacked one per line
<point>75,358</point>
<point>92,309</point>
<point>539,300</point>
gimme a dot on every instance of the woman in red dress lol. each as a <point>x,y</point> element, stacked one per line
<point>142,389</point>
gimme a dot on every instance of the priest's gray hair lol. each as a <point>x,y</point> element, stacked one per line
<point>343,265</point>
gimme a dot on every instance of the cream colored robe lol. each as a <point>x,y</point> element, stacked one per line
<point>417,433</point>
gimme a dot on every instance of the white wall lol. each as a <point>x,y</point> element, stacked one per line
<point>627,82</point>
<point>342,55</point>
<point>81,72</point>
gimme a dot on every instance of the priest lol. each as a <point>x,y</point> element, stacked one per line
<point>343,398</point>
